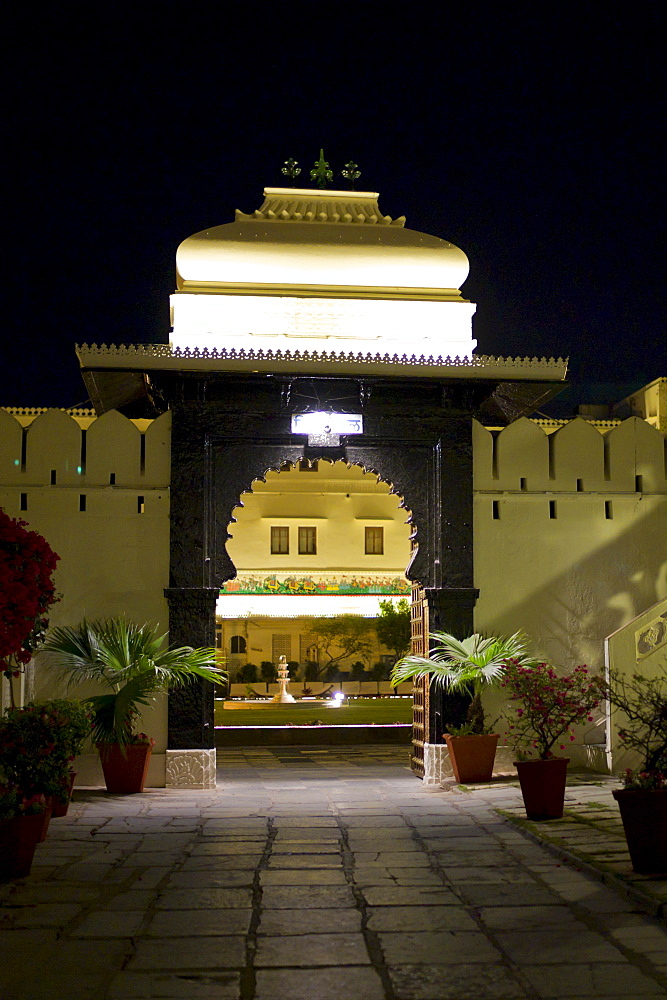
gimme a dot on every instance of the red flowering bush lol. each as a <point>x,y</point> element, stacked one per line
<point>27,591</point>
<point>547,705</point>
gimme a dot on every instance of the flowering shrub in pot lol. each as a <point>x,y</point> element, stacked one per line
<point>36,749</point>
<point>643,799</point>
<point>21,825</point>
<point>466,666</point>
<point>27,591</point>
<point>543,707</point>
<point>71,730</point>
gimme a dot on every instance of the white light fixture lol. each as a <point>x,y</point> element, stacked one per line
<point>325,428</point>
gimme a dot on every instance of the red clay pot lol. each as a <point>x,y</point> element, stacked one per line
<point>472,757</point>
<point>644,815</point>
<point>543,786</point>
<point>19,837</point>
<point>125,766</point>
<point>60,806</point>
<point>46,818</point>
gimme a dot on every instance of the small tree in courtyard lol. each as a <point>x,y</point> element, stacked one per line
<point>340,638</point>
<point>393,626</point>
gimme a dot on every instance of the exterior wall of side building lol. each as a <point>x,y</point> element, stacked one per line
<point>570,525</point>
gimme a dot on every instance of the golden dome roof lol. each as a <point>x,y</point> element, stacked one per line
<point>323,243</point>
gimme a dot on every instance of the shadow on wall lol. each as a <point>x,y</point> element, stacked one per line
<point>569,616</point>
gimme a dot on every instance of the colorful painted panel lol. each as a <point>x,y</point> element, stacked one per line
<point>303,585</point>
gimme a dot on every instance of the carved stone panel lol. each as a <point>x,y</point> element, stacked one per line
<point>191,768</point>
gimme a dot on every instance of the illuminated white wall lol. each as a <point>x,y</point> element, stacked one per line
<point>291,323</point>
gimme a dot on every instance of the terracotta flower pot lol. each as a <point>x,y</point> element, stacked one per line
<point>19,837</point>
<point>543,786</point>
<point>46,818</point>
<point>644,815</point>
<point>472,757</point>
<point>60,806</point>
<point>125,766</point>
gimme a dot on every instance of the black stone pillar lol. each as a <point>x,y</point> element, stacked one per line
<point>191,623</point>
<point>449,610</point>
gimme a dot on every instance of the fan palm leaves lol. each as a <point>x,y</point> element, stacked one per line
<point>133,661</point>
<point>464,665</point>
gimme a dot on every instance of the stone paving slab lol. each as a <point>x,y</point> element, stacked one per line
<point>591,833</point>
<point>346,879</point>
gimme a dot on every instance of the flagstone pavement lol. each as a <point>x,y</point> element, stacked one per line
<point>322,873</point>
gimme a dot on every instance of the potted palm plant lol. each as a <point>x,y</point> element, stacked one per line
<point>544,705</point>
<point>466,666</point>
<point>134,662</point>
<point>642,702</point>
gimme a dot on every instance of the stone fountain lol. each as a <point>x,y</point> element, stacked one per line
<point>283,698</point>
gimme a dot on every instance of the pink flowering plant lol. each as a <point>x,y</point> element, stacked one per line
<point>643,730</point>
<point>544,705</point>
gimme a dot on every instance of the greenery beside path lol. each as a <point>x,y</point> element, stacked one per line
<point>357,712</point>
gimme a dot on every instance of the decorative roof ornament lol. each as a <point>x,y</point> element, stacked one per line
<point>311,205</point>
<point>351,173</point>
<point>321,173</point>
<point>291,170</point>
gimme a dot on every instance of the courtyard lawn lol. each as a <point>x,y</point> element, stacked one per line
<point>357,712</point>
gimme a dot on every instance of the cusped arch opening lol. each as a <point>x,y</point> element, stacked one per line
<point>311,539</point>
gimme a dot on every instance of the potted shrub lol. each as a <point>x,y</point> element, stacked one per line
<point>466,666</point>
<point>643,799</point>
<point>21,825</point>
<point>34,761</point>
<point>70,732</point>
<point>134,662</point>
<point>544,706</point>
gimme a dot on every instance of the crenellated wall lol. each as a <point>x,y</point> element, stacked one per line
<point>570,523</point>
<point>570,533</point>
<point>98,490</point>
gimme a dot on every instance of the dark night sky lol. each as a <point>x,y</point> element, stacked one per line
<point>526,133</point>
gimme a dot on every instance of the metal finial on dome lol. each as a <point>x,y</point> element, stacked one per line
<point>321,173</point>
<point>351,173</point>
<point>291,170</point>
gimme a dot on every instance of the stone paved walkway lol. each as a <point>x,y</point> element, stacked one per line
<point>312,874</point>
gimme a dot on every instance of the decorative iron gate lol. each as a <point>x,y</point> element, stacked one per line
<point>420,693</point>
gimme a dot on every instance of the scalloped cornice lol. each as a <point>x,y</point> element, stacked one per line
<point>163,356</point>
<point>34,411</point>
<point>309,205</point>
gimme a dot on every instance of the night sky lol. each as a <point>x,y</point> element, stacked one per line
<point>529,134</point>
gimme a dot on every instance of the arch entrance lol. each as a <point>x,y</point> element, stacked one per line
<point>314,540</point>
<point>228,429</point>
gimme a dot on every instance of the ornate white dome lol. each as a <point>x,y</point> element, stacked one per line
<point>324,241</point>
<point>321,271</point>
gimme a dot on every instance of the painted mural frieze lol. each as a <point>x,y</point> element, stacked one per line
<point>317,585</point>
